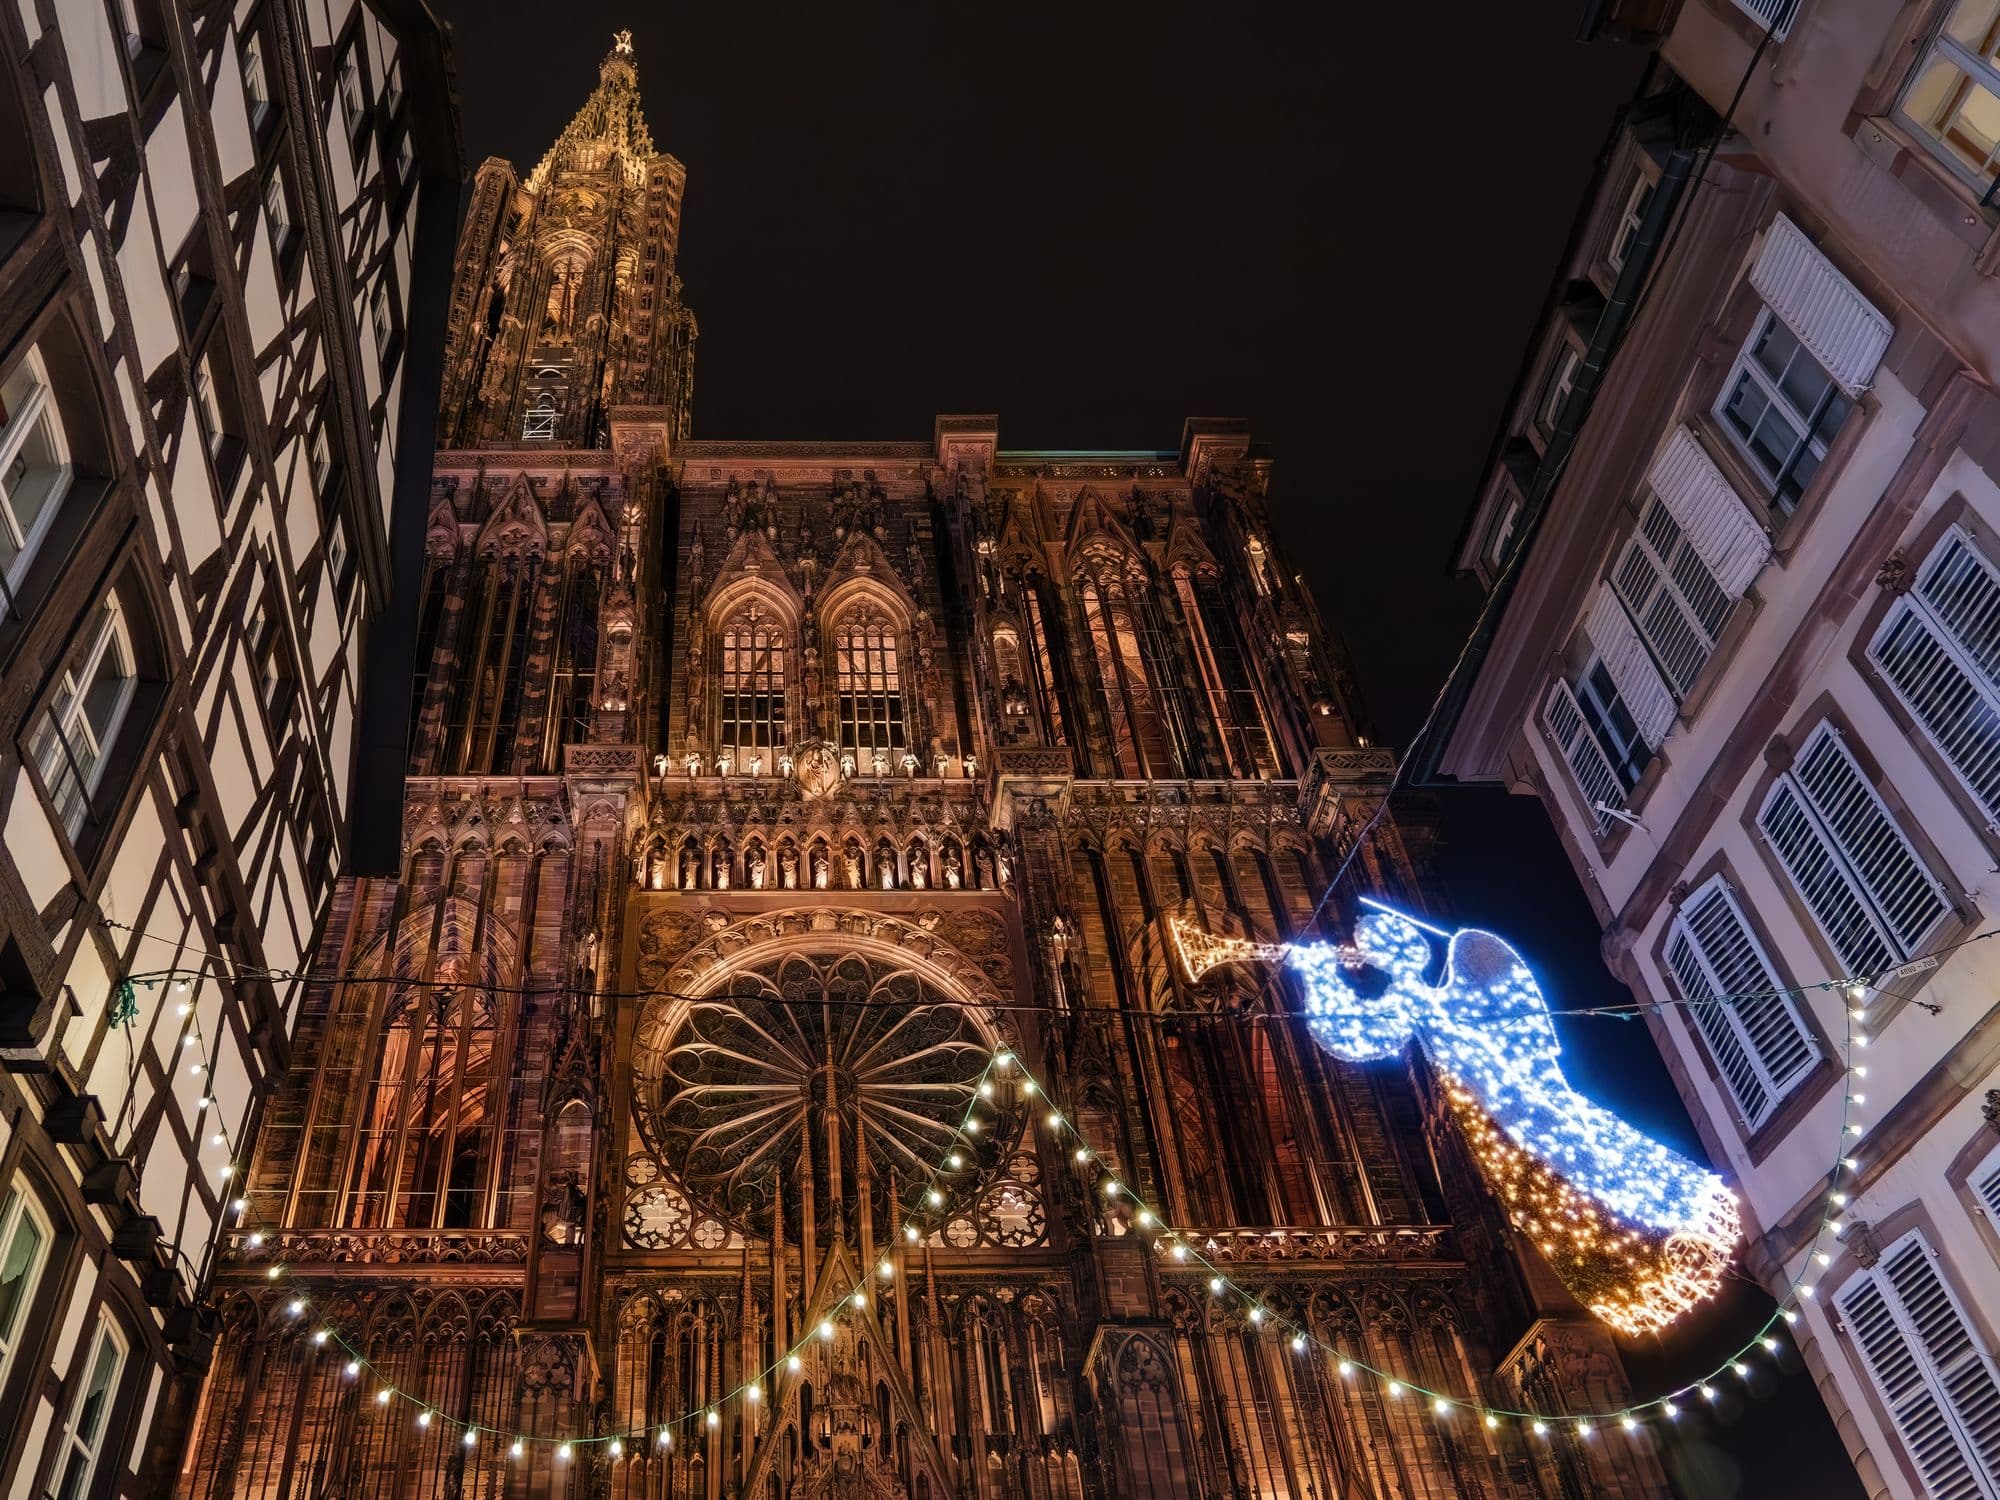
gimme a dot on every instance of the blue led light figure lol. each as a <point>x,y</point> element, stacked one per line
<point>1637,1231</point>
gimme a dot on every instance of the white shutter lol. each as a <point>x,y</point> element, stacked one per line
<point>1939,650</point>
<point>1935,1378</point>
<point>1986,1186</point>
<point>1761,1046</point>
<point>1843,330</point>
<point>1776,15</point>
<point>1908,899</point>
<point>1580,751</point>
<point>1716,522</point>
<point>1616,641</point>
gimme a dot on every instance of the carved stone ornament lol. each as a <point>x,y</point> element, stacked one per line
<point>1990,1110</point>
<point>1895,575</point>
<point>816,770</point>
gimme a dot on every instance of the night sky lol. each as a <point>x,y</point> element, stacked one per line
<point>1097,220</point>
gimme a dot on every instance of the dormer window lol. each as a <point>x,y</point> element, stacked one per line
<point>1626,230</point>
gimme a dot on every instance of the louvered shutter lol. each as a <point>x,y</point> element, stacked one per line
<point>1939,650</point>
<point>1585,757</point>
<point>1616,641</point>
<point>1761,1046</point>
<point>1905,895</point>
<point>1986,1186</point>
<point>1717,523</point>
<point>1843,330</point>
<point>1936,1379</point>
<point>1822,879</point>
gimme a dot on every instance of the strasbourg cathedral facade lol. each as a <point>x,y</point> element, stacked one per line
<point>760,795</point>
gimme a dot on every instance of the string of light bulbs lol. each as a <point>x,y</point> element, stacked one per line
<point>1622,1010</point>
<point>1179,1246</point>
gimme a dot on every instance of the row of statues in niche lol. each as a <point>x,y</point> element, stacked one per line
<point>821,868</point>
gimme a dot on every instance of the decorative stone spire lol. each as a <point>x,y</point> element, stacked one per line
<point>609,125</point>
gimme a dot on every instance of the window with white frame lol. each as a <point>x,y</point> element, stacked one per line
<point>347,78</point>
<point>753,686</point>
<point>1938,648</point>
<point>73,736</point>
<point>277,211</point>
<point>256,86</point>
<point>1870,893</point>
<point>1932,1370</point>
<point>319,458</point>
<point>34,465</point>
<point>206,404</point>
<point>24,1251</point>
<point>382,313</point>
<point>1609,718</point>
<point>1694,553</point>
<point>405,157</point>
<point>1952,99</point>
<point>1674,599</point>
<point>1555,390</point>
<point>1760,1043</point>
<point>1782,408</point>
<point>1626,230</point>
<point>89,1415</point>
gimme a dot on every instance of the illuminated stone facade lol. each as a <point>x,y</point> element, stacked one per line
<point>760,795</point>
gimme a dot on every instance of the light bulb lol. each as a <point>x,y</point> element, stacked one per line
<point>515,1450</point>
<point>1298,1343</point>
<point>752,1394</point>
<point>617,1448</point>
<point>1083,1153</point>
<point>382,1396</point>
<point>791,1362</point>
<point>471,1436</point>
<point>275,1272</point>
<point>1003,1059</point>
<point>1180,1252</point>
<point>1742,1370</point>
<point>1672,1411</point>
<point>1055,1120</point>
<point>1145,1217</point>
<point>1345,1368</point>
<point>714,1418</point>
<point>562,1454</point>
<point>1441,1406</point>
<point>1541,1429</point>
<point>956,1161</point>
<point>986,1089</point>
<point>256,1238</point>
<point>1630,1423</point>
<point>1256,1314</point>
<point>1491,1420</point>
<point>1215,1285</point>
<point>826,1330</point>
<point>353,1368</point>
<point>860,1297</point>
<point>240,1204</point>
<point>319,1335</point>
<point>885,1270</point>
<point>666,1438</point>
<point>972,1126</point>
<point>1583,1429</point>
<point>910,1233</point>
<point>1028,1086</point>
<point>935,1197</point>
<point>1395,1388</point>
<point>423,1419</point>
<point>1770,1346</point>
<point>1111,1189</point>
<point>188,1040</point>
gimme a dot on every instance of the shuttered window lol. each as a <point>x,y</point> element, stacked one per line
<point>1871,895</point>
<point>1934,1375</point>
<point>1986,1186</point>
<point>1705,505</point>
<point>1599,781</point>
<point>1642,690</point>
<point>1776,15</point>
<point>1673,598</point>
<point>1844,332</point>
<point>1939,650</point>
<point>1760,1043</point>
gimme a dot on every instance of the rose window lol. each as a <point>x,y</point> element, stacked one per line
<point>822,1060</point>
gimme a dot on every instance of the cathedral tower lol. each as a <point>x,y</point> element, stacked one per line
<point>767,1076</point>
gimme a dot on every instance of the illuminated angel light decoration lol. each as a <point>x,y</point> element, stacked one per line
<point>1636,1231</point>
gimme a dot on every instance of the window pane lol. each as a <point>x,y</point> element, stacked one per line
<point>18,1259</point>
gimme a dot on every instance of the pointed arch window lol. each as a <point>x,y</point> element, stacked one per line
<point>868,680</point>
<point>753,664</point>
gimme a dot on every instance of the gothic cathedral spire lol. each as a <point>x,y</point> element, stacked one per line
<point>566,300</point>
